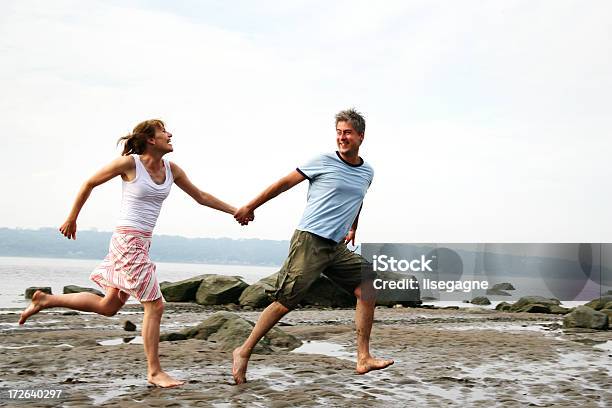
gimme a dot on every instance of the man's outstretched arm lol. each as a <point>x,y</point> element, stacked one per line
<point>246,213</point>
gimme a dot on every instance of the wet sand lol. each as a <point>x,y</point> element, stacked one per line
<point>469,357</point>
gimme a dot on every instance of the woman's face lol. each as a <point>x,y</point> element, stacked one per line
<point>163,140</point>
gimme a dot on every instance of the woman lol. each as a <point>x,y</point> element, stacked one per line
<point>127,270</point>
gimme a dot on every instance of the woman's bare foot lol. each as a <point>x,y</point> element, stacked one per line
<point>163,380</point>
<point>239,366</point>
<point>370,364</point>
<point>38,304</point>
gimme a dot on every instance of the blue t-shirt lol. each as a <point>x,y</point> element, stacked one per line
<point>335,194</point>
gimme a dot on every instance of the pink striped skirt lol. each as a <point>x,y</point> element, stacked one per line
<point>127,266</point>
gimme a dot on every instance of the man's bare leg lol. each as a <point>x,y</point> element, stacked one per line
<point>269,317</point>
<point>364,316</point>
<point>150,335</point>
<point>84,302</point>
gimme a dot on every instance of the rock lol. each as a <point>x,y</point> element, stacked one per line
<point>523,304</point>
<point>70,313</point>
<point>219,290</point>
<point>535,308</point>
<point>586,317</point>
<point>228,331</point>
<point>599,303</point>
<point>322,293</point>
<point>259,294</point>
<point>129,326</point>
<point>495,292</point>
<point>29,292</point>
<point>481,300</point>
<point>503,307</point>
<point>559,310</point>
<point>172,337</point>
<point>406,297</point>
<point>79,289</point>
<point>182,291</point>
<point>608,312</point>
<point>325,293</point>
<point>503,286</point>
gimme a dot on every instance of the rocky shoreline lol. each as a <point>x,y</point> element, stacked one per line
<point>472,356</point>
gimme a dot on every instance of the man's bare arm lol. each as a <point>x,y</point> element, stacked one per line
<point>276,188</point>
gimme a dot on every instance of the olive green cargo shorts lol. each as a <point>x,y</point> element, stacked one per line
<point>311,255</point>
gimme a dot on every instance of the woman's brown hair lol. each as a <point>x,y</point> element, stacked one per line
<point>136,142</point>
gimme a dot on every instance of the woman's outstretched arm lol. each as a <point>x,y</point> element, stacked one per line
<point>117,167</point>
<point>203,198</point>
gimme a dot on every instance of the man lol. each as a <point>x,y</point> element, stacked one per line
<point>338,184</point>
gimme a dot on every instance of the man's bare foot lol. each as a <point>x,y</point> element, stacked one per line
<point>371,364</point>
<point>38,300</point>
<point>163,380</point>
<point>239,366</point>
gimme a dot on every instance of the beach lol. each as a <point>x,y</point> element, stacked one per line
<point>443,357</point>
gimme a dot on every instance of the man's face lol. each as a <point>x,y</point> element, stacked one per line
<point>347,139</point>
<point>163,140</point>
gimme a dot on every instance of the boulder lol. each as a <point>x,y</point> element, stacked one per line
<point>219,290</point>
<point>405,297</point>
<point>172,337</point>
<point>497,292</point>
<point>503,307</point>
<point>599,303</point>
<point>503,286</point>
<point>129,326</point>
<point>228,331</point>
<point>524,304</point>
<point>323,292</point>
<point>260,293</point>
<point>481,300</point>
<point>79,289</point>
<point>29,292</point>
<point>535,308</point>
<point>182,291</point>
<point>586,317</point>
<point>608,312</point>
<point>559,310</point>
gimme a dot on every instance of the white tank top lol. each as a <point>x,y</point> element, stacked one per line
<point>142,198</point>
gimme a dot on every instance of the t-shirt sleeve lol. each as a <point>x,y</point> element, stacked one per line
<point>312,168</point>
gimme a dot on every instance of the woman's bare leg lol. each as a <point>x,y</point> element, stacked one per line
<point>84,302</point>
<point>150,334</point>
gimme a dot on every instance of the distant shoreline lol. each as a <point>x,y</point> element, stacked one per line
<point>48,243</point>
<point>154,260</point>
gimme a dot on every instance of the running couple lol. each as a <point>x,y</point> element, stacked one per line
<point>338,183</point>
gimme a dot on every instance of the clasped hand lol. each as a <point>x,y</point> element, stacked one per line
<point>244,215</point>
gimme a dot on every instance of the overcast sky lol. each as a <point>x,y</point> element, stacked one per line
<point>487,121</point>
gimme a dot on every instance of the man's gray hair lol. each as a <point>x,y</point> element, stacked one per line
<point>353,117</point>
